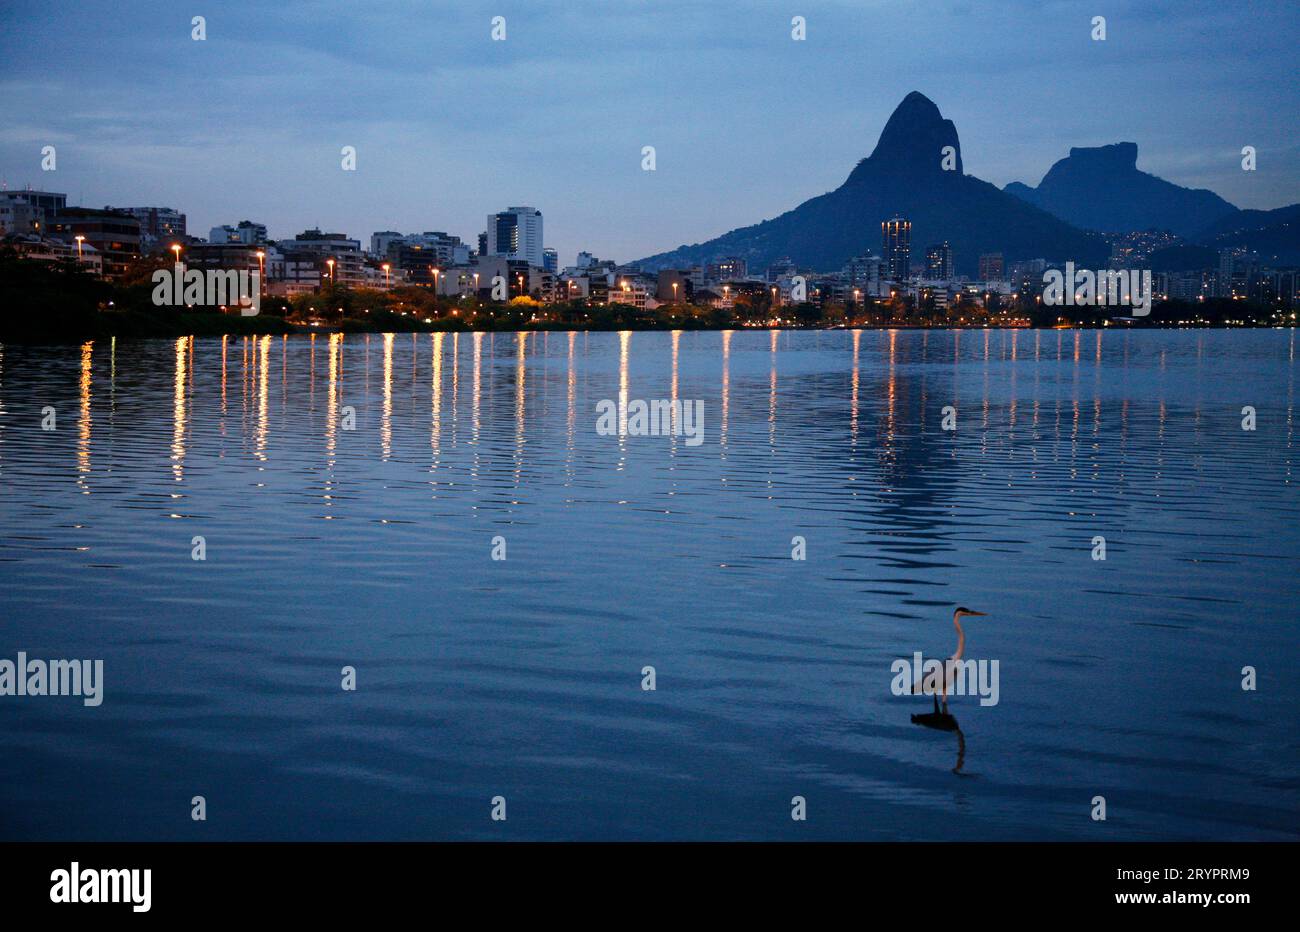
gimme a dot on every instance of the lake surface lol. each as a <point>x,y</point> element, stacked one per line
<point>372,547</point>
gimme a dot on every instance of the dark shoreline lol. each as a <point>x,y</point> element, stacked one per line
<point>41,304</point>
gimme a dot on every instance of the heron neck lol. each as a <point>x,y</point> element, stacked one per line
<point>961,638</point>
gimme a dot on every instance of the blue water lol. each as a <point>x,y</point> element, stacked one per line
<point>522,678</point>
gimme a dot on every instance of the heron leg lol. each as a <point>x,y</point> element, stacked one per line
<point>936,704</point>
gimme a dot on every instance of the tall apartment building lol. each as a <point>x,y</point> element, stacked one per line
<point>938,262</point>
<point>516,233</point>
<point>896,247</point>
<point>991,267</point>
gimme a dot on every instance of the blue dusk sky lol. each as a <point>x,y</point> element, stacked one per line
<point>449,125</point>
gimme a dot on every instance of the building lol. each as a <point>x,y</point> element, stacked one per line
<point>551,261</point>
<point>729,269</point>
<point>418,255</point>
<point>244,257</point>
<point>1237,266</point>
<point>896,247</point>
<point>1185,286</point>
<point>323,242</point>
<point>53,251</point>
<point>159,226</point>
<point>674,286</point>
<point>246,232</point>
<point>991,267</point>
<point>938,262</point>
<point>517,274</point>
<point>381,276</point>
<point>19,218</point>
<point>1278,287</point>
<point>24,212</point>
<point>115,235</point>
<point>379,242</point>
<point>781,268</point>
<point>632,291</point>
<point>865,274</point>
<point>516,233</point>
<point>319,258</point>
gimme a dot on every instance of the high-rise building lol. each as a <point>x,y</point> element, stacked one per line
<point>550,260</point>
<point>517,234</point>
<point>1236,268</point>
<point>991,268</point>
<point>938,262</point>
<point>896,246</point>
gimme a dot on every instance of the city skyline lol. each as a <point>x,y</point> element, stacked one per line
<point>265,138</point>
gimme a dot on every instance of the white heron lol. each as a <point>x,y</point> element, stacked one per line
<point>937,718</point>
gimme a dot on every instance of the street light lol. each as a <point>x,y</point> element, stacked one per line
<point>388,281</point>
<point>330,263</point>
<point>176,248</point>
<point>78,238</point>
<point>261,270</point>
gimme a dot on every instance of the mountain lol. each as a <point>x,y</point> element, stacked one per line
<point>1250,221</point>
<point>1273,235</point>
<point>903,175</point>
<point>1102,189</point>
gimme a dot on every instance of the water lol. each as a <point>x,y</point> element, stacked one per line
<point>328,547</point>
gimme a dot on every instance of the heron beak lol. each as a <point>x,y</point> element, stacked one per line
<point>980,614</point>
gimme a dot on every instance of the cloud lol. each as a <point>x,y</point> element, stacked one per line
<point>450,125</point>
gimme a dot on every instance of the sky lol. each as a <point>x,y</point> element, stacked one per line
<point>450,125</point>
